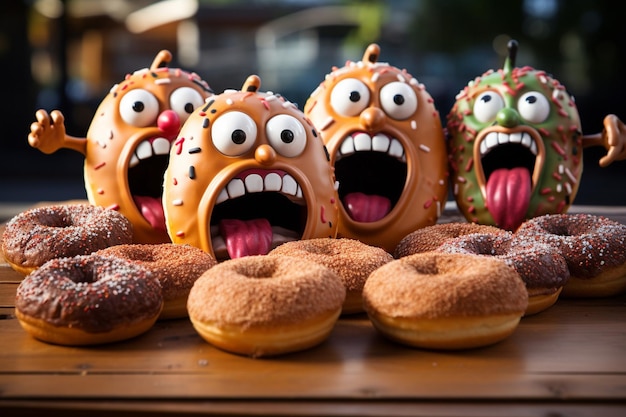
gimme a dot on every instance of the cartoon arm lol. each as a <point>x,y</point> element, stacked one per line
<point>48,134</point>
<point>613,138</point>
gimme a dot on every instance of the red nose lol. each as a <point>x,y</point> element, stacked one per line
<point>169,122</point>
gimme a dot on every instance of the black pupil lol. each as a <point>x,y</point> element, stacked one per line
<point>138,106</point>
<point>531,99</point>
<point>238,136</point>
<point>486,99</point>
<point>189,108</point>
<point>355,96</point>
<point>286,136</point>
<point>398,99</point>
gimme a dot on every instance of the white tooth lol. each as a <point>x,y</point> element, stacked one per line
<point>161,146</point>
<point>290,186</point>
<point>347,146</point>
<point>133,161</point>
<point>395,149</point>
<point>503,138</point>
<point>380,143</point>
<point>254,183</point>
<point>533,148</point>
<point>273,182</point>
<point>491,139</point>
<point>235,188</point>
<point>362,142</point>
<point>526,140</point>
<point>483,147</point>
<point>299,192</point>
<point>144,150</point>
<point>515,137</point>
<point>223,196</point>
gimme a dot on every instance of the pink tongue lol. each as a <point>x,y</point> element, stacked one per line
<point>152,210</point>
<point>366,208</point>
<point>508,196</point>
<point>244,238</point>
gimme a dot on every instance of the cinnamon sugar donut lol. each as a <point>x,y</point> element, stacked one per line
<point>445,301</point>
<point>175,266</point>
<point>431,237</point>
<point>88,300</point>
<point>37,235</point>
<point>540,266</point>
<point>262,305</point>
<point>594,248</point>
<point>351,259</point>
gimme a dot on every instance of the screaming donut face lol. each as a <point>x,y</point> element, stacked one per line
<point>515,146</point>
<point>387,146</point>
<point>247,173</point>
<point>129,141</point>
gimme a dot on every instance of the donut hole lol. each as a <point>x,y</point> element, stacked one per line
<point>258,270</point>
<point>48,220</point>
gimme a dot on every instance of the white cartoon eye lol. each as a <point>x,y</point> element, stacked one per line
<point>487,106</point>
<point>534,107</point>
<point>398,100</point>
<point>233,133</point>
<point>286,134</point>
<point>184,101</point>
<point>349,97</point>
<point>139,108</point>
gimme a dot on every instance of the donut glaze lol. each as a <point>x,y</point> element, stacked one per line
<point>176,267</point>
<point>87,300</point>
<point>431,237</point>
<point>541,267</point>
<point>37,235</point>
<point>266,305</point>
<point>351,259</point>
<point>445,301</point>
<point>593,247</point>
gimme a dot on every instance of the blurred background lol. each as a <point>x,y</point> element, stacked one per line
<point>67,54</point>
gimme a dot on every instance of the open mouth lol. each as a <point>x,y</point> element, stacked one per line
<point>257,210</point>
<point>371,171</point>
<point>509,163</point>
<point>145,179</point>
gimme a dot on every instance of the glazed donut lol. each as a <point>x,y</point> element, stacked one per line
<point>431,237</point>
<point>175,266</point>
<point>262,305</point>
<point>88,300</point>
<point>351,259</point>
<point>540,266</point>
<point>445,301</point>
<point>37,235</point>
<point>593,247</point>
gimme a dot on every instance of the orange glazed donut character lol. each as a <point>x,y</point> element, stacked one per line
<point>128,142</point>
<point>247,173</point>
<point>387,146</point>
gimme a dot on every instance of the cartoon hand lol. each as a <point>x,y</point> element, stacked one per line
<point>48,133</point>
<point>614,140</point>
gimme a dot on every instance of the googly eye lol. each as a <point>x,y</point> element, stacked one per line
<point>184,101</point>
<point>349,97</point>
<point>487,105</point>
<point>286,135</point>
<point>533,107</point>
<point>139,108</point>
<point>233,133</point>
<point>398,100</point>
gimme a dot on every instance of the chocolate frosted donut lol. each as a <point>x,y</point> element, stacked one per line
<point>87,300</point>
<point>351,259</point>
<point>431,237</point>
<point>175,266</point>
<point>593,247</point>
<point>37,235</point>
<point>540,266</point>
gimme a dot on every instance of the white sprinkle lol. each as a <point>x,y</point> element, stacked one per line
<point>413,125</point>
<point>177,202</point>
<point>162,81</point>
<point>424,148</point>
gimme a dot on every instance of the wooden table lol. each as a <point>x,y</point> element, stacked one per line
<point>567,360</point>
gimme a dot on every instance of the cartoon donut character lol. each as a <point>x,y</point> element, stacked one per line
<point>387,146</point>
<point>516,146</point>
<point>248,172</point>
<point>128,142</point>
